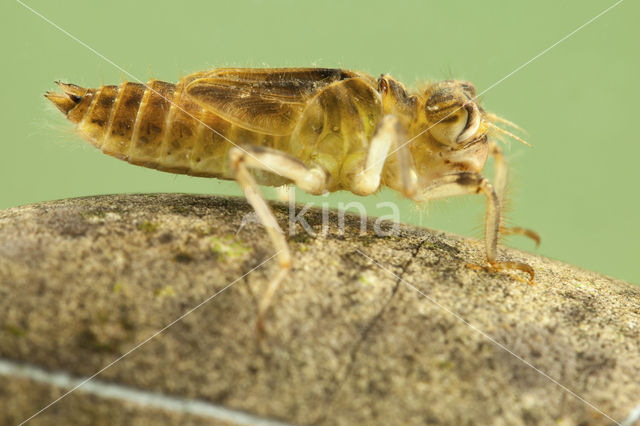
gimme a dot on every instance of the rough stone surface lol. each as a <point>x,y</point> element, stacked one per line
<point>410,340</point>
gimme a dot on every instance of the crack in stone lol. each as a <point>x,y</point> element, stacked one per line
<point>365,333</point>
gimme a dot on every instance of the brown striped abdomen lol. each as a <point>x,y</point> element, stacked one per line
<point>150,125</point>
<point>158,125</point>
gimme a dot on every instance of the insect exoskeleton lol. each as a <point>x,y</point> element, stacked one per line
<point>321,129</point>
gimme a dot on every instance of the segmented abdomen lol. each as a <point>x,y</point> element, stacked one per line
<point>153,125</point>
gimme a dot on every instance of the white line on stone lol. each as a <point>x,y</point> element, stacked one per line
<point>633,417</point>
<point>140,397</point>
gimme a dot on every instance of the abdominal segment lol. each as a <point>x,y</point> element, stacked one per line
<point>159,125</point>
<point>154,125</point>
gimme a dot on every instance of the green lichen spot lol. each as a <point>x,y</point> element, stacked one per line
<point>364,280</point>
<point>182,210</point>
<point>94,213</point>
<point>15,330</point>
<point>203,231</point>
<point>300,237</point>
<point>365,240</point>
<point>228,248</point>
<point>446,365</point>
<point>117,287</point>
<point>166,291</point>
<point>148,227</point>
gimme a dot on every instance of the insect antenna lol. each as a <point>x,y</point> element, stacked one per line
<point>508,133</point>
<point>494,117</point>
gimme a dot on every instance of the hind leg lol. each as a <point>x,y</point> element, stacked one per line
<point>312,180</point>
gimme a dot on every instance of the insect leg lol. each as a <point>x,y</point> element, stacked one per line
<point>387,138</point>
<point>474,183</point>
<point>500,185</point>
<point>312,180</point>
<point>500,170</point>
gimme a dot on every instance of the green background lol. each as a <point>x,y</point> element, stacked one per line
<point>577,186</point>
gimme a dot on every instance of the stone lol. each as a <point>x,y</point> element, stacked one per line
<point>158,293</point>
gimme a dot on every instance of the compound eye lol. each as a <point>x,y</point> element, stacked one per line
<point>457,126</point>
<point>447,130</point>
<point>452,113</point>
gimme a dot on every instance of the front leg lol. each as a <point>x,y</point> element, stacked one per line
<point>500,184</point>
<point>387,140</point>
<point>473,183</point>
